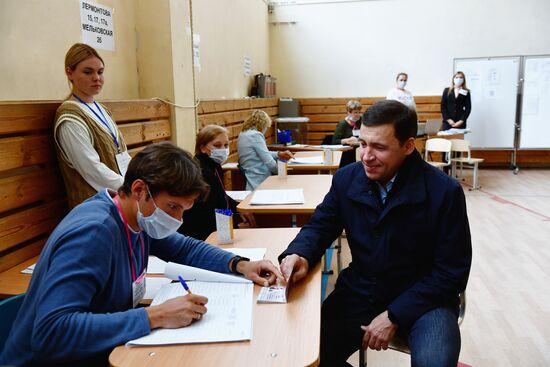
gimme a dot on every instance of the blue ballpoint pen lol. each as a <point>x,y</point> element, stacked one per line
<point>185,286</point>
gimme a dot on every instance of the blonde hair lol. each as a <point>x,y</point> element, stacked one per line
<point>207,134</point>
<point>451,88</point>
<point>259,120</point>
<point>78,53</point>
<point>353,105</point>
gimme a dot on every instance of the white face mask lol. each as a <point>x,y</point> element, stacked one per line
<point>219,155</point>
<point>401,84</point>
<point>458,81</point>
<point>159,224</point>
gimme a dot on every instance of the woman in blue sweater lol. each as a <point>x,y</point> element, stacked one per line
<point>81,300</point>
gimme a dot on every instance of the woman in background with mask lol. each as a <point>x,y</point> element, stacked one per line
<point>399,93</point>
<point>456,103</point>
<point>255,159</point>
<point>347,131</point>
<point>212,150</point>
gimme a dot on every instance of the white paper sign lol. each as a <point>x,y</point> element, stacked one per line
<point>196,52</point>
<point>247,66</point>
<point>97,25</point>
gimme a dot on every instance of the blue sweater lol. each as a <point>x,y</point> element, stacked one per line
<point>256,160</point>
<point>79,303</point>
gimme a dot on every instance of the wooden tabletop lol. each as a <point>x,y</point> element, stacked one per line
<point>315,188</point>
<point>13,282</point>
<point>283,335</point>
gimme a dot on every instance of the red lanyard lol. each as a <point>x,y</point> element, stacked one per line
<point>131,252</point>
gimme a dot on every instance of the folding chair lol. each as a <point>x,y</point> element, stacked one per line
<point>463,158</point>
<point>401,345</point>
<point>439,145</point>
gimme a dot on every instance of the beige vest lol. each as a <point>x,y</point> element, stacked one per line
<point>77,188</point>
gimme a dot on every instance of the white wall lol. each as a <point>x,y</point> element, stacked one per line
<point>35,36</point>
<point>356,49</point>
<point>229,30</point>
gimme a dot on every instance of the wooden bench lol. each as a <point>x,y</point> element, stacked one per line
<point>32,193</point>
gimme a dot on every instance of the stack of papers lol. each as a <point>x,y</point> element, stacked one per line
<point>28,269</point>
<point>318,159</point>
<point>453,131</point>
<point>278,197</point>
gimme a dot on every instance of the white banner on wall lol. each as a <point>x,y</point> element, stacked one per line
<point>97,25</point>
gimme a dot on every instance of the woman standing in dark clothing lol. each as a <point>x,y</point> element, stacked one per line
<point>456,103</point>
<point>211,150</point>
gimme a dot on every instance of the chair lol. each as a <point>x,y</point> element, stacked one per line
<point>8,311</point>
<point>461,148</point>
<point>327,140</point>
<point>438,145</point>
<point>401,345</point>
<point>243,173</point>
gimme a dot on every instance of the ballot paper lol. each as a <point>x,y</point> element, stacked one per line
<point>155,265</point>
<point>278,197</point>
<point>29,269</point>
<point>228,316</point>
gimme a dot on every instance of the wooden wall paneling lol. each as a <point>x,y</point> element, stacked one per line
<point>146,131</point>
<point>138,110</point>
<point>23,151</point>
<point>29,223</point>
<point>22,254</point>
<point>21,190</point>
<point>19,117</point>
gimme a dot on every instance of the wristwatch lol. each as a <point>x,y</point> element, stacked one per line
<point>235,261</point>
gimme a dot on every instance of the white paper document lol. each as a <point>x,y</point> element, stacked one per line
<point>238,195</point>
<point>317,159</point>
<point>254,254</point>
<point>229,315</point>
<point>155,265</point>
<point>332,146</point>
<point>153,285</point>
<point>453,131</point>
<point>29,269</point>
<point>278,197</point>
<point>190,273</point>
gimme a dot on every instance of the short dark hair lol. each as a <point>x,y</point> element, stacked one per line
<point>403,118</point>
<point>165,167</point>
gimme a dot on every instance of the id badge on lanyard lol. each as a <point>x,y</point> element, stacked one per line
<point>138,288</point>
<point>122,160</point>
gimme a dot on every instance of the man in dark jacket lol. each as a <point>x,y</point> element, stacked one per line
<point>409,236</point>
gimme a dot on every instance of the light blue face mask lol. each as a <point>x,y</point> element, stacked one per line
<point>159,224</point>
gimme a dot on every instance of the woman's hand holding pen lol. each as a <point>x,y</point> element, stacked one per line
<point>285,156</point>
<point>177,312</point>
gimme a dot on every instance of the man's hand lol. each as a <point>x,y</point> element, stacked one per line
<point>353,141</point>
<point>285,156</point>
<point>177,312</point>
<point>379,333</point>
<point>262,272</point>
<point>295,265</point>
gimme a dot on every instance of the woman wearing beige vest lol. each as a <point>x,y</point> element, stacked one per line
<point>91,151</point>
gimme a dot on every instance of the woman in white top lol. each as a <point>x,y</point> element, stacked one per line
<point>90,148</point>
<point>399,93</point>
<point>257,162</point>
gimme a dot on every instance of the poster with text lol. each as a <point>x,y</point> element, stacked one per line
<point>97,25</point>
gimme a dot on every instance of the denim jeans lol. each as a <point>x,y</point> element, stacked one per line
<point>434,339</point>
